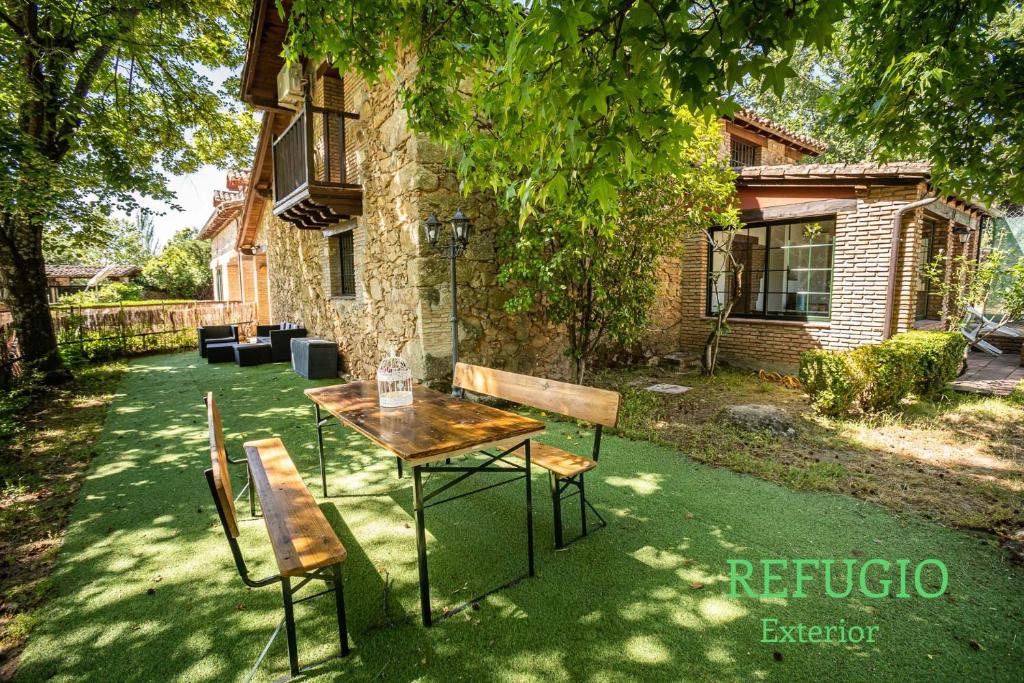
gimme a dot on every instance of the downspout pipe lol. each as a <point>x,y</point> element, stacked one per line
<point>894,258</point>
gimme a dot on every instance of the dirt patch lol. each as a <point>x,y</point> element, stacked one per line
<point>959,461</point>
<point>40,475</point>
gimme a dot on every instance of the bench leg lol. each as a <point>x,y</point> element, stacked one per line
<point>421,544</point>
<point>556,503</point>
<point>252,493</point>
<point>399,461</point>
<point>529,510</point>
<point>339,603</point>
<point>320,446</point>
<point>289,626</point>
<point>583,505</point>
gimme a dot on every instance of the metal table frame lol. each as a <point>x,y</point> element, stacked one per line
<point>422,500</point>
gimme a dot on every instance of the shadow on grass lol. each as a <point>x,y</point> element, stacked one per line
<point>145,588</point>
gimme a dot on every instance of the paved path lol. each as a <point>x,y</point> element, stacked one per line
<point>993,375</point>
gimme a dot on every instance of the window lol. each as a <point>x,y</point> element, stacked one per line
<point>744,153</point>
<point>347,271</point>
<point>787,271</point>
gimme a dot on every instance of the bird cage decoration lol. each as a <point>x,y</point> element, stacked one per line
<point>394,382</point>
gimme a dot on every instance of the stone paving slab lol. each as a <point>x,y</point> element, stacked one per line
<point>990,375</point>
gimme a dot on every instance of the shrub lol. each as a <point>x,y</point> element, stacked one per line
<point>109,293</point>
<point>937,359</point>
<point>878,377</point>
<point>832,380</point>
<point>888,370</point>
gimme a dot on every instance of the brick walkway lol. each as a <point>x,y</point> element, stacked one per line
<point>992,375</point>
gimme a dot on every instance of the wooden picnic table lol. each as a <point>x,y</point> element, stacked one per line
<point>435,428</point>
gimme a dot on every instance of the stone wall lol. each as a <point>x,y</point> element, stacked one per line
<point>303,265</point>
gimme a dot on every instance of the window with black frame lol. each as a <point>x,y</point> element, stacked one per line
<point>787,270</point>
<point>346,253</point>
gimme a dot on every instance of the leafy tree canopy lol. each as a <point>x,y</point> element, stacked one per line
<point>807,105</point>
<point>535,93</point>
<point>182,269</point>
<point>119,240</point>
<point>941,80</point>
<point>541,96</point>
<point>98,100</point>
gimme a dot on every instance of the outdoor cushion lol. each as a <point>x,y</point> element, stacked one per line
<point>220,353</point>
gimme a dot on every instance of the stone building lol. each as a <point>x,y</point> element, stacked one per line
<point>239,274</point>
<point>332,222</point>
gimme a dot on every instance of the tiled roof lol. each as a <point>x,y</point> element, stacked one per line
<point>909,170</point>
<point>122,270</point>
<point>769,126</point>
<point>221,217</point>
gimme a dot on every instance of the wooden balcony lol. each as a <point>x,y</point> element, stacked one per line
<point>311,170</point>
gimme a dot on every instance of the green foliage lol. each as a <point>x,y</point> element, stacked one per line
<point>100,99</point>
<point>1010,290</point>
<point>877,377</point>
<point>540,97</point>
<point>975,283</point>
<point>937,358</point>
<point>15,398</point>
<point>888,372</point>
<point>183,267</point>
<point>806,104</point>
<point>590,88</point>
<point>111,292</point>
<point>1017,395</point>
<point>111,241</point>
<point>598,278</point>
<point>941,80</point>
<point>832,381</point>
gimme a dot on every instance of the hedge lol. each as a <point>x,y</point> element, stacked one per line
<point>877,377</point>
<point>832,380</point>
<point>938,357</point>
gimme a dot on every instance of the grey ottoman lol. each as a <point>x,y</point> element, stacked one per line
<point>220,353</point>
<point>252,354</point>
<point>314,358</point>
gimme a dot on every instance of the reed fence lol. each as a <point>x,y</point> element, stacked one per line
<point>103,332</point>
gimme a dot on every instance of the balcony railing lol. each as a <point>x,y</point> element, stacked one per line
<point>312,169</point>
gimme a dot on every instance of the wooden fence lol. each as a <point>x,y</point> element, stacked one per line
<point>109,331</point>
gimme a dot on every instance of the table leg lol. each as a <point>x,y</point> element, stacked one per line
<point>320,446</point>
<point>529,509</point>
<point>421,544</point>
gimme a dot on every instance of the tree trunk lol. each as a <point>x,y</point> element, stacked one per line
<point>24,274</point>
<point>579,367</point>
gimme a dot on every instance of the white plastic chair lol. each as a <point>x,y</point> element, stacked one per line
<point>976,325</point>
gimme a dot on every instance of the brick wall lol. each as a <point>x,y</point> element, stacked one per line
<point>860,267</point>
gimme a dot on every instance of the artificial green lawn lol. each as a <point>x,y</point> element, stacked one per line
<point>145,588</point>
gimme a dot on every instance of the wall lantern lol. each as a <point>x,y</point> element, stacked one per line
<point>962,232</point>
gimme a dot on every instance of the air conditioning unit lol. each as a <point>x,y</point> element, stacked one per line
<point>289,86</point>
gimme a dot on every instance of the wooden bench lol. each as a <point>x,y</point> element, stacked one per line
<point>599,407</point>
<point>304,544</point>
